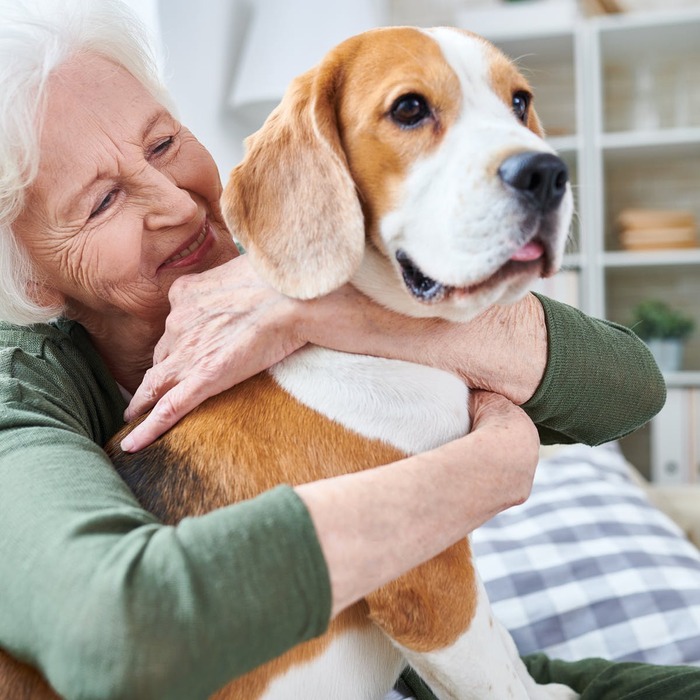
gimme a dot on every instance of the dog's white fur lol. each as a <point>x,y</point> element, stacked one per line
<point>481,225</point>
<point>370,396</point>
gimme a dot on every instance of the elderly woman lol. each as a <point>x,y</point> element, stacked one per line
<point>106,204</point>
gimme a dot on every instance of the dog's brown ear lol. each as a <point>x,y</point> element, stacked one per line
<point>292,202</point>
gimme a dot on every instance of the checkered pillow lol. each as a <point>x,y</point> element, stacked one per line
<point>588,567</point>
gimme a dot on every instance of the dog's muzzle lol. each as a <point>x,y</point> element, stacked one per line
<point>539,182</point>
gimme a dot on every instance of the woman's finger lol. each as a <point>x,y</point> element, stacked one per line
<point>170,408</point>
<point>156,382</point>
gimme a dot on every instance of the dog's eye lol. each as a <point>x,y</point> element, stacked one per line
<point>521,105</point>
<point>410,110</point>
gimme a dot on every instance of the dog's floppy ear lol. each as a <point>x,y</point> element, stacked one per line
<point>292,201</point>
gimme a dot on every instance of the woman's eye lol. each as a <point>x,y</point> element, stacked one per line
<point>521,105</point>
<point>104,204</point>
<point>410,110</point>
<point>163,146</point>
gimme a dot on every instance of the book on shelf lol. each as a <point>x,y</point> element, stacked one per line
<point>656,229</point>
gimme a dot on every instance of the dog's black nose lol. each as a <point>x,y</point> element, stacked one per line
<point>540,178</point>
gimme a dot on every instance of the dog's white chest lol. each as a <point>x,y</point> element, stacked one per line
<point>412,407</point>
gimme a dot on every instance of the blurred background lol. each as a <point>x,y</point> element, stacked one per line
<point>617,85</point>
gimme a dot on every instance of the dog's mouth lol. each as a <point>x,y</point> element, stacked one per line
<point>533,258</point>
<point>421,286</point>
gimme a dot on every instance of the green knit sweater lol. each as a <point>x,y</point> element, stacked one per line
<point>110,603</point>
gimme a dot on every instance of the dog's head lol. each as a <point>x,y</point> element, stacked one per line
<point>412,163</point>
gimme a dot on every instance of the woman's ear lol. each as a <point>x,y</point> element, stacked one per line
<point>292,202</point>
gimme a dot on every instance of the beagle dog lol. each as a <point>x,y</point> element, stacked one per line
<point>410,163</point>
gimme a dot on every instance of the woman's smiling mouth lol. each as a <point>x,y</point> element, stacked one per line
<point>192,252</point>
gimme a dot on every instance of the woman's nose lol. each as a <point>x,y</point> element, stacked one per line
<point>169,205</point>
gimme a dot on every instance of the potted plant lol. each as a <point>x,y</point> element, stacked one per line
<point>664,330</point>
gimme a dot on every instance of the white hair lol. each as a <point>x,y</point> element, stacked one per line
<point>37,36</point>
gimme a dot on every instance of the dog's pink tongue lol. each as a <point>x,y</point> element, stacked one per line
<point>530,251</point>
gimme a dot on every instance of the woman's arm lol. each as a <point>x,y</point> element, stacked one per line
<point>96,592</point>
<point>579,378</point>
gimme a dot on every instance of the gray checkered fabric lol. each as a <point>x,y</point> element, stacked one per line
<point>588,567</point>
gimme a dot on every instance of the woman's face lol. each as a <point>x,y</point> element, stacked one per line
<point>126,199</point>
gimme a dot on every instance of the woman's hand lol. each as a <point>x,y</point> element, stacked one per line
<point>512,440</point>
<point>225,325</point>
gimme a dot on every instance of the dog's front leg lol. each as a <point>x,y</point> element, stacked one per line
<point>440,618</point>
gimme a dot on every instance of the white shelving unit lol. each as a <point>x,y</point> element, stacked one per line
<point>620,99</point>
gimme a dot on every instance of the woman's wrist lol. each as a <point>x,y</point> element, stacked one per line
<point>506,349</point>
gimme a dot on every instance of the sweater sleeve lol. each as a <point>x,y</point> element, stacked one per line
<point>601,381</point>
<point>107,601</point>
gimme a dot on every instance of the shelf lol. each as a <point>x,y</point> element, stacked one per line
<point>682,379</point>
<point>666,143</point>
<point>651,258</point>
<point>649,33</point>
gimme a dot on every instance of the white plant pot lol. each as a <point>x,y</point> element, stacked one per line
<point>668,353</point>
